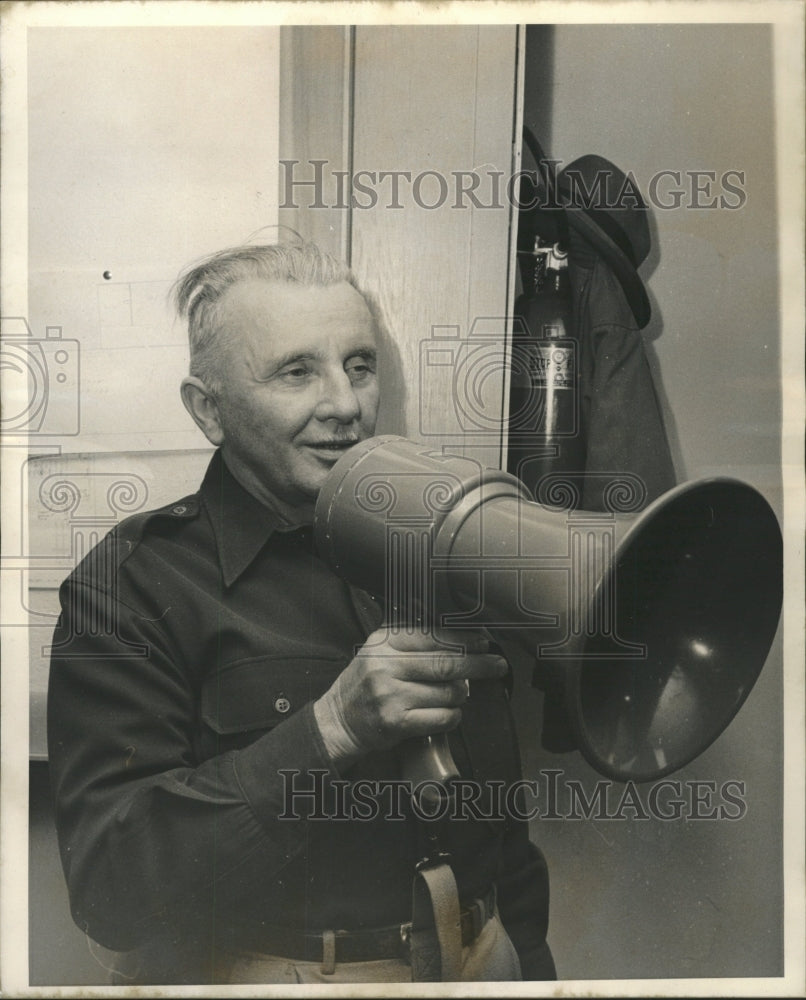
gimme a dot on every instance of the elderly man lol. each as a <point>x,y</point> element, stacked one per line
<point>206,657</point>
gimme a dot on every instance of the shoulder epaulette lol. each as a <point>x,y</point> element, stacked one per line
<point>125,536</point>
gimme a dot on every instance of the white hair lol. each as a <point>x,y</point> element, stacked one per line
<point>199,289</point>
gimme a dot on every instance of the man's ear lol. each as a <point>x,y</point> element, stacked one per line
<point>202,406</point>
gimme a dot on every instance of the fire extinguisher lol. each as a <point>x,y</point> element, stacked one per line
<point>545,435</point>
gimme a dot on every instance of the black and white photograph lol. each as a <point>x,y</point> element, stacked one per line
<point>402,447</point>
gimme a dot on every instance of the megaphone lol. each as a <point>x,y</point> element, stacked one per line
<point>653,626</point>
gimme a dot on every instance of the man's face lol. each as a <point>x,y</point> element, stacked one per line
<point>299,384</point>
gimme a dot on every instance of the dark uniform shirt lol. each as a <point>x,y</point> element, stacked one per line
<point>192,643</point>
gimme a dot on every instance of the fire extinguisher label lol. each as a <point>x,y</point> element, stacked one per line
<point>552,365</point>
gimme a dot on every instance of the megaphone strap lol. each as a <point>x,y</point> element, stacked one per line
<point>436,929</point>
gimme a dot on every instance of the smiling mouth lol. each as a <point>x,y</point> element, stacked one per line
<point>334,448</point>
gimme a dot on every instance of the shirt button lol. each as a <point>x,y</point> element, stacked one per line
<point>180,508</point>
<point>282,704</point>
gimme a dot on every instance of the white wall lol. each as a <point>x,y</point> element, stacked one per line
<point>148,148</point>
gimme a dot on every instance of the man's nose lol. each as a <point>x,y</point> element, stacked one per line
<point>338,400</point>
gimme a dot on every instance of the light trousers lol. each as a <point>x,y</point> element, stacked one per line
<point>490,958</point>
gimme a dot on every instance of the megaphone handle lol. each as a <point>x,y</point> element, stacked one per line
<point>428,759</point>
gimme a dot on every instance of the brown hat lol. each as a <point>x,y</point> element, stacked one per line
<point>604,205</point>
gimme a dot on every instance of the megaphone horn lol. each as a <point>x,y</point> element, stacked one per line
<point>654,626</point>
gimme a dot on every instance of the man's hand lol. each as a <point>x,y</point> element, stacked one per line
<point>400,686</point>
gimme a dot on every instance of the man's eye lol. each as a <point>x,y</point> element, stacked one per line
<point>359,368</point>
<point>295,373</point>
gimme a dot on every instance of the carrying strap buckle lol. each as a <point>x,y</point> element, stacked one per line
<point>436,926</point>
<point>432,860</point>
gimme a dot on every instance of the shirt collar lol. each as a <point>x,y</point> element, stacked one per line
<point>241,523</point>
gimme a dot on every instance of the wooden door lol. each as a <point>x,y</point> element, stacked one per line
<point>416,126</point>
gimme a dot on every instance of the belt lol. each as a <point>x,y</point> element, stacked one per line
<point>365,945</point>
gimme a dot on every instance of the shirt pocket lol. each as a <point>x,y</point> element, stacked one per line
<point>243,700</point>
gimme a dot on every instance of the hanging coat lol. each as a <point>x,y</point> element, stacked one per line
<point>621,416</point>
